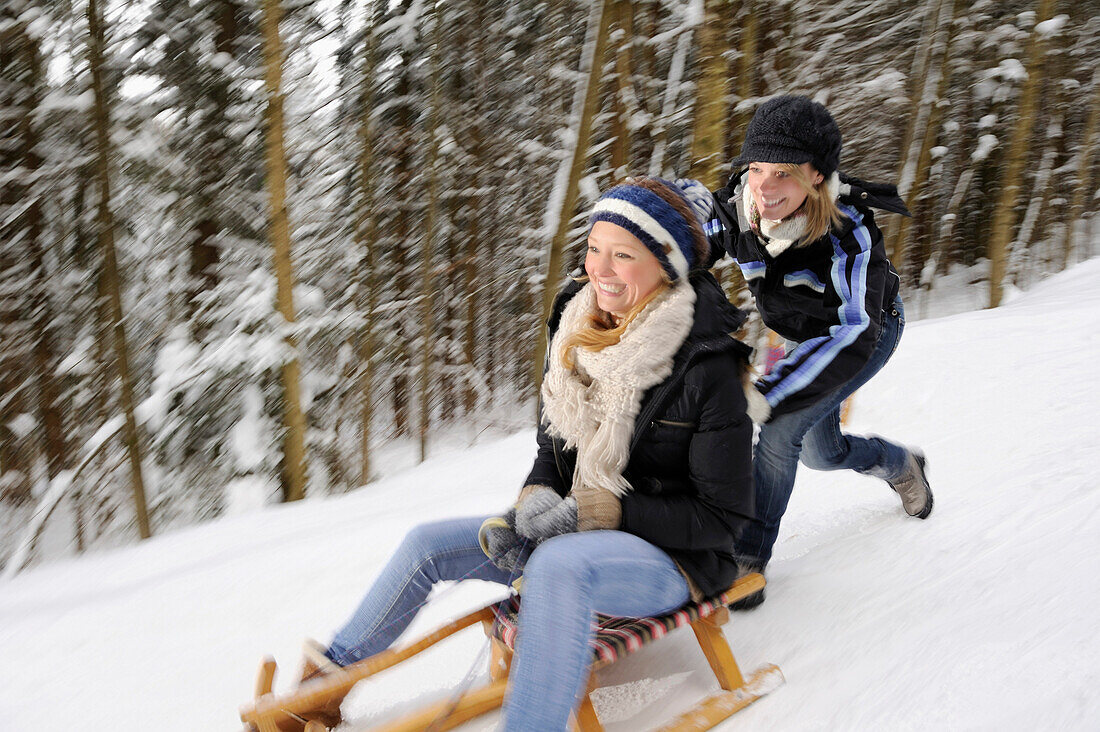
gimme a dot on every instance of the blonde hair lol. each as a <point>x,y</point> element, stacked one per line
<point>819,207</point>
<point>600,329</point>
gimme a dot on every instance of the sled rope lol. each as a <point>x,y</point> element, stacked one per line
<point>416,608</point>
<point>464,685</point>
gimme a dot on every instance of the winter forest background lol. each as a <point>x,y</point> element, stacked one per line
<point>245,245</point>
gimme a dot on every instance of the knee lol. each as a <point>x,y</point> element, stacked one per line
<point>556,561</point>
<point>422,543</point>
<point>777,449</point>
<point>816,459</point>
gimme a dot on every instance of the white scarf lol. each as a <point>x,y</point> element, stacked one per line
<point>593,405</point>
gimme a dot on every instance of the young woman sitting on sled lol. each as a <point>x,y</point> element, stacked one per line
<point>643,468</point>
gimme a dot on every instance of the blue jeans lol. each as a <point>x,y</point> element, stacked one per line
<point>812,434</point>
<point>566,581</point>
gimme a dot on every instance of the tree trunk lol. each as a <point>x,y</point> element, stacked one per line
<point>741,114</point>
<point>204,254</point>
<point>366,241</point>
<point>427,326</point>
<point>918,157</point>
<point>946,245</point>
<point>563,199</point>
<point>106,242</point>
<point>1021,245</point>
<point>468,287</point>
<point>918,83</point>
<point>672,93</point>
<point>917,86</point>
<point>294,446</point>
<point>448,401</point>
<point>408,208</point>
<point>1083,183</point>
<point>626,102</point>
<point>708,140</point>
<point>1005,213</point>
<point>646,15</point>
<point>49,411</point>
<point>20,229</point>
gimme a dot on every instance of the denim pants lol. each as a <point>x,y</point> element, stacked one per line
<point>566,581</point>
<point>812,434</point>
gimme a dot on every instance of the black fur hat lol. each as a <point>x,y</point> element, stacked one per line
<point>792,129</point>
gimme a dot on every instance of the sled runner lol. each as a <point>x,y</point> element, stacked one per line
<point>615,638</point>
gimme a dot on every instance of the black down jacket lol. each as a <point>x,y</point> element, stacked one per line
<point>690,461</point>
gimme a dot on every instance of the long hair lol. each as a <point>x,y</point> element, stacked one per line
<point>819,207</point>
<point>600,329</point>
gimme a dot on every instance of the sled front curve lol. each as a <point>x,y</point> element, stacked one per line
<point>615,638</point>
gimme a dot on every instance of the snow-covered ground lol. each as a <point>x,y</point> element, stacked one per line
<point>982,617</point>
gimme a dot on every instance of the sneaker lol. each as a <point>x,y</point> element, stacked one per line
<point>913,488</point>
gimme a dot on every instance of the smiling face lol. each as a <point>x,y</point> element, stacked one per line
<point>622,270</point>
<point>777,193</point>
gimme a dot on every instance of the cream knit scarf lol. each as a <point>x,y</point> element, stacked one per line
<point>593,405</point>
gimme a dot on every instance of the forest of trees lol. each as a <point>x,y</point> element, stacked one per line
<point>244,243</point>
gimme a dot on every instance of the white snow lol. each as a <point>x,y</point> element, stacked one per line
<point>22,424</point>
<point>886,82</point>
<point>1053,26</point>
<point>57,101</point>
<point>249,435</point>
<point>986,143</point>
<point>1012,70</point>
<point>982,617</point>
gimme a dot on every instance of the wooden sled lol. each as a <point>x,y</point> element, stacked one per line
<point>616,638</point>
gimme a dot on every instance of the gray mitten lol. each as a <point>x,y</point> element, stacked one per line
<point>515,558</point>
<point>501,543</point>
<point>543,514</point>
<point>533,500</point>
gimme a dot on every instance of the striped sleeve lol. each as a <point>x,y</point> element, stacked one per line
<point>712,227</point>
<point>717,240</point>
<point>819,365</point>
<point>720,228</point>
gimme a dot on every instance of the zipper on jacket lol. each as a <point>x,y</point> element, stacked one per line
<point>673,423</point>
<point>557,460</point>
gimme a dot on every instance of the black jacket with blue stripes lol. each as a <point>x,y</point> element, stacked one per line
<point>828,295</point>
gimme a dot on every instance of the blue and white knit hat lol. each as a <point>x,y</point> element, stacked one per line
<point>654,221</point>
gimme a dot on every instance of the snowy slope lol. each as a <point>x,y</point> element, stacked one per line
<point>978,618</point>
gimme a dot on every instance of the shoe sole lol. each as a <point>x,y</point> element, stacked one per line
<point>927,510</point>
